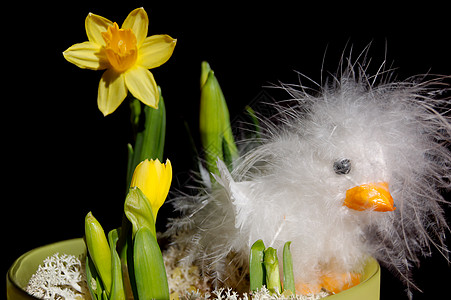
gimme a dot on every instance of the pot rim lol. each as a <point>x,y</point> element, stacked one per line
<point>372,263</point>
<point>10,278</point>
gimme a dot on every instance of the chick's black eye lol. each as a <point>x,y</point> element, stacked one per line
<point>342,166</point>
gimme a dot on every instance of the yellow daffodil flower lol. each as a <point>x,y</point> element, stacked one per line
<point>154,179</point>
<point>127,54</point>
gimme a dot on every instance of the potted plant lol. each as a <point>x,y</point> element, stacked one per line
<point>300,181</point>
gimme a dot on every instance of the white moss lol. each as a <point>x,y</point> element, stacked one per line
<point>59,277</point>
<point>183,278</point>
<point>230,294</point>
<point>187,283</point>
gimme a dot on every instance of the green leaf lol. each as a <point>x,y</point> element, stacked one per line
<point>256,267</point>
<point>149,143</point>
<point>229,146</point>
<point>288,275</point>
<point>130,164</point>
<point>135,112</point>
<point>255,121</point>
<point>125,249</point>
<point>93,280</point>
<point>117,285</point>
<point>98,249</point>
<point>139,211</point>
<point>272,271</point>
<point>134,158</point>
<point>150,273</point>
<point>104,295</point>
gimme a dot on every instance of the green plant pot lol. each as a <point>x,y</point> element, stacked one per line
<point>368,289</point>
<point>26,265</point>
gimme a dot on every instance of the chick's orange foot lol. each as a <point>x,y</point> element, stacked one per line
<point>331,282</point>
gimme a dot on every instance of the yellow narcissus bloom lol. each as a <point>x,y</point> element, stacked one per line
<point>154,179</point>
<point>127,54</point>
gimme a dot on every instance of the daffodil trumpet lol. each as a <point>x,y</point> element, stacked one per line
<point>127,54</point>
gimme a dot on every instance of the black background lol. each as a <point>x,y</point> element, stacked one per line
<point>63,158</point>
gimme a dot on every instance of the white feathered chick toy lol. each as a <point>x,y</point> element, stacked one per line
<point>352,172</point>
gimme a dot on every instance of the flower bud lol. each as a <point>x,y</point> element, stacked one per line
<point>98,249</point>
<point>271,263</point>
<point>214,122</point>
<point>154,180</point>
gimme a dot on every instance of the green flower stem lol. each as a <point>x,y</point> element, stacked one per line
<point>150,273</point>
<point>150,141</point>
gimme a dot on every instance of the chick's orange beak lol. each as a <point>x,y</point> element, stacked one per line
<point>372,196</point>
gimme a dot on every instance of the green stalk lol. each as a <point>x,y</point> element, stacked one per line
<point>288,275</point>
<point>149,143</point>
<point>150,273</point>
<point>256,267</point>
<point>155,131</point>
<point>272,271</point>
<point>135,113</point>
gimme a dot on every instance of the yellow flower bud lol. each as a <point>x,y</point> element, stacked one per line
<point>154,179</point>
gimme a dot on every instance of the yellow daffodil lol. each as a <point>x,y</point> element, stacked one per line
<point>127,54</point>
<point>154,179</point>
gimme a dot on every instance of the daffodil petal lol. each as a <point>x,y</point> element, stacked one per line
<point>87,55</point>
<point>112,91</point>
<point>142,85</point>
<point>95,25</point>
<point>138,22</point>
<point>152,185</point>
<point>154,180</point>
<point>166,179</point>
<point>155,50</point>
<point>139,178</point>
<point>165,175</point>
